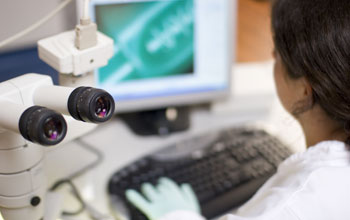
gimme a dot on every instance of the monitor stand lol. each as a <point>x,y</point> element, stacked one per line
<point>158,122</point>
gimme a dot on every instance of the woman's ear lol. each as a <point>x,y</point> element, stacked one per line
<point>304,96</point>
<point>306,87</point>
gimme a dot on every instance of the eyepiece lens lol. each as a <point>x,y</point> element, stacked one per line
<point>91,105</point>
<point>53,128</point>
<point>103,106</point>
<point>43,126</point>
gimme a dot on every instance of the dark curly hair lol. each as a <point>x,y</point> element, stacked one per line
<point>313,40</point>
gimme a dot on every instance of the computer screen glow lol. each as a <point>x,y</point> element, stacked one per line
<point>164,48</point>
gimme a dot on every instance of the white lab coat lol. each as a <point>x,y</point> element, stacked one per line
<point>313,185</point>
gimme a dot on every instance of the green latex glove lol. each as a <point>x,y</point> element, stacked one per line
<point>166,197</point>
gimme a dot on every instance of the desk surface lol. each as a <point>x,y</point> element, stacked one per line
<point>251,103</point>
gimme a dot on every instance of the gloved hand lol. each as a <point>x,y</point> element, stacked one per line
<point>163,199</point>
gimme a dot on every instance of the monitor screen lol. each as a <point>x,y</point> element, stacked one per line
<point>166,52</point>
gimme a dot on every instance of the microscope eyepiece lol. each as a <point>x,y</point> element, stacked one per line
<point>42,125</point>
<point>91,105</point>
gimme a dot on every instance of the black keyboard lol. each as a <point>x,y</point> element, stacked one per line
<point>224,168</point>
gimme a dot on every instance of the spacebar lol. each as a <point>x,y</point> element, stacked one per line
<point>231,199</point>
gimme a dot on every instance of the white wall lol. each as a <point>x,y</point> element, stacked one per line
<point>16,15</point>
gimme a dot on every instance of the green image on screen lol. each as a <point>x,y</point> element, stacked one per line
<point>153,39</point>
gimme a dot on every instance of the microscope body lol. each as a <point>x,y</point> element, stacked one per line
<point>22,176</point>
<point>31,108</point>
<point>30,115</point>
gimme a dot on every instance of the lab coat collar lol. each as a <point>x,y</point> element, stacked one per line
<point>329,153</point>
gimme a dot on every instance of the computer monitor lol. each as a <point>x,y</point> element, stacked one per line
<point>167,52</point>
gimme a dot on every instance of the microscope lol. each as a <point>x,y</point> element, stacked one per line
<point>31,119</point>
<point>35,114</point>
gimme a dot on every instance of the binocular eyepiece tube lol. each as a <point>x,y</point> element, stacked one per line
<point>83,103</point>
<point>45,125</point>
<point>36,124</point>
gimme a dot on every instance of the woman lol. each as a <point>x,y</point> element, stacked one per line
<point>312,75</point>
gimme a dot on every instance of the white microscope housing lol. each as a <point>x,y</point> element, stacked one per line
<point>30,116</point>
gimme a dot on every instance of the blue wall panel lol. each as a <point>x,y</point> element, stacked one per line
<point>17,63</point>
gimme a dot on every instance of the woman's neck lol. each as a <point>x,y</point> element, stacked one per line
<point>317,127</point>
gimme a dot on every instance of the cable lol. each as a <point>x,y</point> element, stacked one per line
<point>35,25</point>
<point>89,167</point>
<point>69,180</point>
<point>75,193</point>
<point>85,31</point>
<point>86,10</point>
